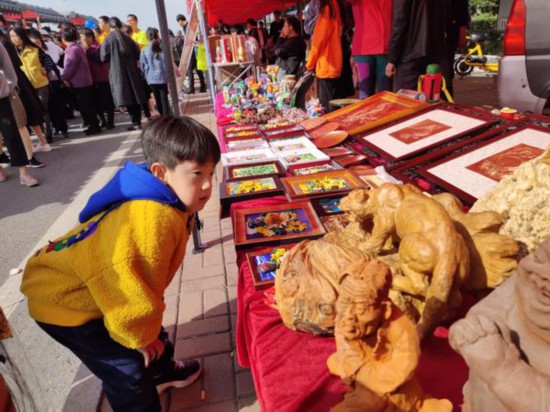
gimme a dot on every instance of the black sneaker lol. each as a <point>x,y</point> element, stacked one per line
<point>4,159</point>
<point>34,163</point>
<point>183,373</point>
<point>92,131</point>
<point>134,127</point>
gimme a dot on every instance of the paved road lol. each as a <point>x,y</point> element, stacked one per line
<point>40,370</point>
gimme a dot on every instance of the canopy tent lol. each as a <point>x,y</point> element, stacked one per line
<point>237,11</point>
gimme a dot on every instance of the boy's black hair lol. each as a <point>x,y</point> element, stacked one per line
<point>172,140</point>
<point>104,18</point>
<point>133,16</point>
<point>181,17</point>
<point>294,23</point>
<point>70,34</point>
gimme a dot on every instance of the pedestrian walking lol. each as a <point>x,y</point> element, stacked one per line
<point>153,65</point>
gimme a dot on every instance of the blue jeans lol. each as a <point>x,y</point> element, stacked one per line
<point>128,385</point>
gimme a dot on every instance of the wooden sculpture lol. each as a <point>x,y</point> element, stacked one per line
<point>522,198</point>
<point>306,286</point>
<point>433,258</point>
<point>493,257</point>
<point>377,346</point>
<point>505,340</point>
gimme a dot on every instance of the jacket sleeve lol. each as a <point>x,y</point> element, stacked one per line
<point>321,37</point>
<point>104,52</point>
<point>280,48</point>
<point>70,65</point>
<point>143,64</point>
<point>400,20</point>
<point>7,68</point>
<point>145,255</point>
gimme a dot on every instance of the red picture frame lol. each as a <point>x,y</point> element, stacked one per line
<point>230,172</point>
<point>260,283</point>
<point>294,170</point>
<point>384,133</point>
<point>425,172</point>
<point>275,217</point>
<point>296,187</point>
<point>396,106</point>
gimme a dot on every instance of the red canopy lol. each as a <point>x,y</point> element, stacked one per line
<point>78,21</point>
<point>237,11</point>
<point>12,16</point>
<point>30,14</point>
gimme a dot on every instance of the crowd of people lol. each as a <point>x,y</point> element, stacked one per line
<point>47,77</point>
<point>367,45</point>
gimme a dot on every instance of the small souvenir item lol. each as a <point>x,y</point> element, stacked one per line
<point>339,181</point>
<point>348,161</point>
<point>265,263</point>
<point>247,189</point>
<point>256,170</point>
<point>276,223</point>
<point>327,205</point>
<point>338,152</point>
<point>301,157</point>
<point>247,144</point>
<point>314,168</point>
<point>331,139</point>
<point>335,222</point>
<point>240,128</point>
<point>323,129</point>
<point>291,144</point>
<point>313,123</point>
<point>283,131</point>
<point>247,157</point>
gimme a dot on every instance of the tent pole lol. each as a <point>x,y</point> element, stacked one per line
<point>204,32</point>
<point>165,37</point>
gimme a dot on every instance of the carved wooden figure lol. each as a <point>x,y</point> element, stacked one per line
<point>377,346</point>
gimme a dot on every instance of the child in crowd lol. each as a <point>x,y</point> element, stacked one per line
<point>99,289</point>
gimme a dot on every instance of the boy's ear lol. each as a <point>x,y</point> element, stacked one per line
<point>159,171</point>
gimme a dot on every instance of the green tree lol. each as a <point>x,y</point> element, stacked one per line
<point>484,15</point>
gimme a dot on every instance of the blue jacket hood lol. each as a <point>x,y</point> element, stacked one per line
<point>132,182</point>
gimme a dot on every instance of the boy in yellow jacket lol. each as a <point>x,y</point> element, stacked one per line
<point>99,289</point>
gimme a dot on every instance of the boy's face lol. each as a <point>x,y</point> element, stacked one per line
<point>192,183</point>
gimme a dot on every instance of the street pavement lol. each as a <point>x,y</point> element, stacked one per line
<point>201,301</point>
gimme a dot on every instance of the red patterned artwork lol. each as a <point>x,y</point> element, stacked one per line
<point>500,164</point>
<point>419,131</point>
<point>376,110</point>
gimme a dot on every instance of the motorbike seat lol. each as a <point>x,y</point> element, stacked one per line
<point>478,37</point>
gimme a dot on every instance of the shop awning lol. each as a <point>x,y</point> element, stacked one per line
<point>78,21</point>
<point>29,14</point>
<point>12,16</point>
<point>238,11</point>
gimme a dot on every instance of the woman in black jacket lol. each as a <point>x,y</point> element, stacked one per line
<point>290,48</point>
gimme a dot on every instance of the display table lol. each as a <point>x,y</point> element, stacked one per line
<point>289,368</point>
<point>228,74</point>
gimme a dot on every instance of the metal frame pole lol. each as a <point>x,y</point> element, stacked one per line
<point>165,37</point>
<point>204,29</point>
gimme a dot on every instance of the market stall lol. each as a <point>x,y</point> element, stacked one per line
<point>285,178</point>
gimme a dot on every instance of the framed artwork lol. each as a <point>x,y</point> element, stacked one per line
<point>422,132</point>
<point>471,174</point>
<point>256,170</point>
<point>248,157</point>
<point>282,223</point>
<point>300,157</point>
<point>245,134</point>
<point>278,125</point>
<point>314,168</point>
<point>339,181</point>
<point>241,128</point>
<point>291,144</point>
<point>247,144</point>
<point>265,263</point>
<point>374,111</point>
<point>283,131</point>
<point>250,189</point>
<point>325,206</point>
<point>365,173</point>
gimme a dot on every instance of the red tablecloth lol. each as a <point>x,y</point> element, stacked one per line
<point>221,117</point>
<point>289,368</point>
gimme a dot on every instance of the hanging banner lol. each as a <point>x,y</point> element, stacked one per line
<point>189,43</point>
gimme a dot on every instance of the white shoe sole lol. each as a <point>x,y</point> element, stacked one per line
<point>180,384</point>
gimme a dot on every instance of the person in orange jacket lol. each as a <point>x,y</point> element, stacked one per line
<point>326,57</point>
